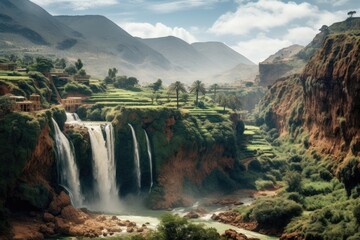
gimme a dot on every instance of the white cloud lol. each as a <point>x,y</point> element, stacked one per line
<point>262,15</point>
<point>78,4</point>
<point>260,47</point>
<point>179,5</point>
<point>334,2</point>
<point>147,30</point>
<point>300,35</point>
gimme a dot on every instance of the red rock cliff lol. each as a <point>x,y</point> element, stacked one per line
<point>331,85</point>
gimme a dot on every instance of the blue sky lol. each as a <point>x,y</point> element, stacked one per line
<point>255,28</point>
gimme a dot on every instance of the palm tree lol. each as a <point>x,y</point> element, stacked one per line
<point>214,87</point>
<point>177,87</point>
<point>197,87</point>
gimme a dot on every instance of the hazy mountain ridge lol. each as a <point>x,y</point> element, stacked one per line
<point>27,28</point>
<point>180,53</point>
<point>222,55</point>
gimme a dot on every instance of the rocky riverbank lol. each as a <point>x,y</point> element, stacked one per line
<point>62,219</point>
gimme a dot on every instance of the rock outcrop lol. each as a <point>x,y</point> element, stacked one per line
<point>331,85</point>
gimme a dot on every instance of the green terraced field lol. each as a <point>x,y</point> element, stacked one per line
<point>254,144</point>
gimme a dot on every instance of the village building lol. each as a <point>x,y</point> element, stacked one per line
<point>20,103</point>
<point>7,66</point>
<point>71,104</point>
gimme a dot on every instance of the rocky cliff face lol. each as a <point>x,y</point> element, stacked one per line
<point>279,65</point>
<point>331,85</point>
<point>324,99</point>
<point>190,155</point>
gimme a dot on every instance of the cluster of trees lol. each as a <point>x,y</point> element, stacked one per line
<point>74,69</point>
<point>123,82</point>
<point>225,100</point>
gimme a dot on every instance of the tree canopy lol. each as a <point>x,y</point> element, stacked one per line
<point>197,87</point>
<point>156,86</point>
<point>42,65</point>
<point>351,13</point>
<point>125,82</point>
<point>177,87</point>
<point>79,64</point>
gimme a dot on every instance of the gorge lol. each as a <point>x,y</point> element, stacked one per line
<point>85,157</point>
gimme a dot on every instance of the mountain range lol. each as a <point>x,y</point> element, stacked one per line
<point>26,28</point>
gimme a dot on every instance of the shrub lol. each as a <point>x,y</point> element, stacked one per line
<point>275,212</point>
<point>264,184</point>
<point>296,197</point>
<point>294,166</point>
<point>295,159</point>
<point>178,228</point>
<point>314,188</point>
<point>325,175</point>
<point>73,87</point>
<point>356,213</point>
<point>350,174</point>
<point>255,165</point>
<point>294,181</point>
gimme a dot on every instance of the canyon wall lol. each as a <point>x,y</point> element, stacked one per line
<point>321,105</point>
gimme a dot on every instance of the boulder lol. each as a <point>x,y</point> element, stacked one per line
<point>58,203</point>
<point>48,217</point>
<point>73,215</point>
<point>192,215</point>
<point>61,226</point>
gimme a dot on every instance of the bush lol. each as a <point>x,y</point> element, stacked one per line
<point>294,166</point>
<point>73,87</point>
<point>275,212</point>
<point>314,188</point>
<point>6,105</point>
<point>255,165</point>
<point>294,181</point>
<point>296,197</point>
<point>264,184</point>
<point>177,228</point>
<point>356,213</point>
<point>350,174</point>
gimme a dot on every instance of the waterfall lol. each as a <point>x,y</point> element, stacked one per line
<point>72,117</point>
<point>136,158</point>
<point>104,169</point>
<point>110,142</point>
<point>150,159</point>
<point>67,169</point>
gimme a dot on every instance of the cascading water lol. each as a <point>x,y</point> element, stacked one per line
<point>66,166</point>
<point>104,169</point>
<point>136,158</point>
<point>110,146</point>
<point>72,117</point>
<point>150,159</point>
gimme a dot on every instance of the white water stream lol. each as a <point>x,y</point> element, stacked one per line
<point>136,158</point>
<point>104,169</point>
<point>72,117</point>
<point>150,160</point>
<point>67,169</point>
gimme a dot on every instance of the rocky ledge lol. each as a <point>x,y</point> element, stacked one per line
<point>235,219</point>
<point>62,219</point>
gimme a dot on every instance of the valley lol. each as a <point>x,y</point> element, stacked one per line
<point>106,135</point>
